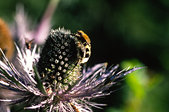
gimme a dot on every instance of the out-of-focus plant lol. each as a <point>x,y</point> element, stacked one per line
<point>6,41</point>
<point>139,87</point>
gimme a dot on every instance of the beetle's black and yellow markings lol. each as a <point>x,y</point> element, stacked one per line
<point>84,45</point>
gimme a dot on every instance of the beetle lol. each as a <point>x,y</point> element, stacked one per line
<point>84,46</point>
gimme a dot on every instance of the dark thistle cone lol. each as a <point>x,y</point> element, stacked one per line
<point>61,58</point>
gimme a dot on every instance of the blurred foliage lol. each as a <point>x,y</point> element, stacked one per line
<point>119,30</point>
<point>141,84</point>
<point>140,87</point>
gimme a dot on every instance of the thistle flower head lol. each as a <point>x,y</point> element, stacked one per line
<point>54,79</point>
<point>61,58</point>
<point>51,77</point>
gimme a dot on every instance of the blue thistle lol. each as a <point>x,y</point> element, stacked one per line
<point>54,80</point>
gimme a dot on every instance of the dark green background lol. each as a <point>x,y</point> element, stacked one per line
<point>121,31</point>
